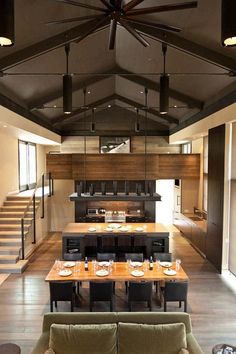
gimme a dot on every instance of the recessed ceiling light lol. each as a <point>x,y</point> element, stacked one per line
<point>175,106</point>
<point>109,106</point>
<point>141,91</point>
<point>4,126</point>
<point>55,106</point>
<point>89,92</point>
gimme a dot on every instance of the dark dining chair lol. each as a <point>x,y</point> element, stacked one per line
<point>61,291</point>
<point>72,256</point>
<point>140,291</point>
<point>106,257</point>
<point>175,291</point>
<point>101,291</point>
<point>135,257</point>
<point>162,256</point>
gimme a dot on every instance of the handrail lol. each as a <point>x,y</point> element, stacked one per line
<point>32,202</point>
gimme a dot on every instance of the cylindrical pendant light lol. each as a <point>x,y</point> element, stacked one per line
<point>7,23</point>
<point>92,125</point>
<point>164,85</point>
<point>228,23</point>
<point>164,94</point>
<point>137,125</point>
<point>67,94</point>
<point>67,85</point>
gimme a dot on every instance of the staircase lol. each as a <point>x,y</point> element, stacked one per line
<point>10,232</point>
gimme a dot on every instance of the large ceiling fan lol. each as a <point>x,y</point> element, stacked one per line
<point>126,15</point>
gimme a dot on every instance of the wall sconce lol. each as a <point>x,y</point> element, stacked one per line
<point>7,23</point>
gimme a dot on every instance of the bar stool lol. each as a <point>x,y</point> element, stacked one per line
<point>9,348</point>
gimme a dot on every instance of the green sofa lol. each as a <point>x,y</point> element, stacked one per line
<point>152,318</point>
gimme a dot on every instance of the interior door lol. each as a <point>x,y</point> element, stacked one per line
<point>27,165</point>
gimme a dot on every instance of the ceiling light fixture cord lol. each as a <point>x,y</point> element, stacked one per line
<point>145,141</point>
<point>85,140</point>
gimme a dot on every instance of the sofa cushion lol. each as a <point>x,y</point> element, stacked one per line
<point>83,339</point>
<point>152,339</point>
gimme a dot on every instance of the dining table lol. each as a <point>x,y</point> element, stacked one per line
<point>115,271</point>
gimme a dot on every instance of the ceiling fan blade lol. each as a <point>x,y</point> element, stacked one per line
<point>107,4</point>
<point>75,19</point>
<point>131,4</point>
<point>103,22</point>
<point>134,33</point>
<point>163,8</point>
<point>152,24</point>
<point>112,34</point>
<point>75,3</point>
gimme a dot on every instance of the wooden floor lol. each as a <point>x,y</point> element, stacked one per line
<point>25,298</point>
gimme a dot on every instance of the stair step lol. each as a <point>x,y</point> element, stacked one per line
<point>18,267</point>
<point>10,250</point>
<point>9,259</point>
<point>18,202</point>
<point>15,221</point>
<point>10,242</point>
<point>18,198</point>
<point>10,233</point>
<point>9,227</point>
<point>15,208</point>
<point>14,214</point>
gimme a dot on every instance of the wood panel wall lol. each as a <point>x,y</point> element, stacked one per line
<point>123,166</point>
<point>216,160</point>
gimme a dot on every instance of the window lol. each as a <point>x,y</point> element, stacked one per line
<point>186,148</point>
<point>27,165</point>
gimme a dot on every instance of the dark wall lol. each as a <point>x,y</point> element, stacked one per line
<point>216,160</point>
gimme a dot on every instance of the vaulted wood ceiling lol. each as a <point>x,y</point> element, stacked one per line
<point>202,73</point>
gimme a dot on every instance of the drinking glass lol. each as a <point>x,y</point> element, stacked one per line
<point>146,264</point>
<point>57,265</point>
<point>158,265</point>
<point>110,265</point>
<point>178,262</point>
<point>94,264</point>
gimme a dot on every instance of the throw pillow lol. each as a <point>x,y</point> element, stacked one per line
<point>136,338</point>
<point>83,339</point>
<point>184,351</point>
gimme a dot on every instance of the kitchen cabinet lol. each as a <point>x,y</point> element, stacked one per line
<point>194,232</point>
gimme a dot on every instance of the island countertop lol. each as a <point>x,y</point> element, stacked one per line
<point>101,228</point>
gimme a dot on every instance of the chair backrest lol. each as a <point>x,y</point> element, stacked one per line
<point>162,256</point>
<point>106,256</point>
<point>101,291</point>
<point>175,290</point>
<point>140,291</point>
<point>136,257</point>
<point>72,256</point>
<point>61,291</point>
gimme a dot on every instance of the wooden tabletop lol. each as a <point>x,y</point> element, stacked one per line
<point>76,228</point>
<point>120,272</point>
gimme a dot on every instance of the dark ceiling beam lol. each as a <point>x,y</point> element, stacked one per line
<point>165,119</point>
<point>155,86</point>
<point>52,96</point>
<point>46,45</point>
<point>66,132</point>
<point>24,112</point>
<point>194,49</point>
<point>220,104</point>
<point>74,115</point>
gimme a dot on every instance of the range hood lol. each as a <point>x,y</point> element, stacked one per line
<point>75,197</point>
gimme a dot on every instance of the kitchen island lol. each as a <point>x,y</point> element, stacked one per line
<point>91,238</point>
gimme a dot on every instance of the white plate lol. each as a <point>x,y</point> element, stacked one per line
<point>102,272</point>
<point>139,229</point>
<point>92,229</point>
<point>65,272</point>
<point>114,226</point>
<point>104,264</point>
<point>124,229</point>
<point>108,229</point>
<point>169,272</point>
<point>166,264</point>
<point>137,273</point>
<point>69,264</point>
<point>136,264</point>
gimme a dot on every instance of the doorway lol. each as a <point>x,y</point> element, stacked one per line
<point>27,165</point>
